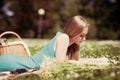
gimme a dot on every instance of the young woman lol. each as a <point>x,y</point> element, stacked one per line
<point>64,46</point>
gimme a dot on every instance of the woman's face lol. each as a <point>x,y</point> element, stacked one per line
<point>80,37</point>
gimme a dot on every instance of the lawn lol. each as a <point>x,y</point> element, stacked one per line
<point>55,70</point>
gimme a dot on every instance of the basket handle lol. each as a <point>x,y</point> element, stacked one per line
<point>11,32</point>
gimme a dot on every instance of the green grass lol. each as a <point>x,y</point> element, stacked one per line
<point>55,70</point>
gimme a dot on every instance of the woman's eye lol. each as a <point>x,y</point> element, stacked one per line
<point>81,35</point>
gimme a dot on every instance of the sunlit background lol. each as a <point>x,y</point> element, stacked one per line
<point>43,18</point>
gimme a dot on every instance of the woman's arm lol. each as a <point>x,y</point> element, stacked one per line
<point>61,46</point>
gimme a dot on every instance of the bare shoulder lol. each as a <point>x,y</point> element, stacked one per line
<point>62,40</point>
<point>63,37</point>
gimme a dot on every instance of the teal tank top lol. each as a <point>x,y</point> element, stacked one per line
<point>11,62</point>
<point>47,51</point>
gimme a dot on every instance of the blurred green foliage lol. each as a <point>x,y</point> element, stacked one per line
<point>103,16</point>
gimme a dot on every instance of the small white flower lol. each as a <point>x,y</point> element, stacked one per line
<point>71,72</point>
<point>76,75</point>
<point>112,74</point>
<point>57,78</point>
<point>68,76</point>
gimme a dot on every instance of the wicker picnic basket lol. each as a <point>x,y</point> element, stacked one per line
<point>13,47</point>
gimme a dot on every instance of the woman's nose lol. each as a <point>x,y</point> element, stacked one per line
<point>84,38</point>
